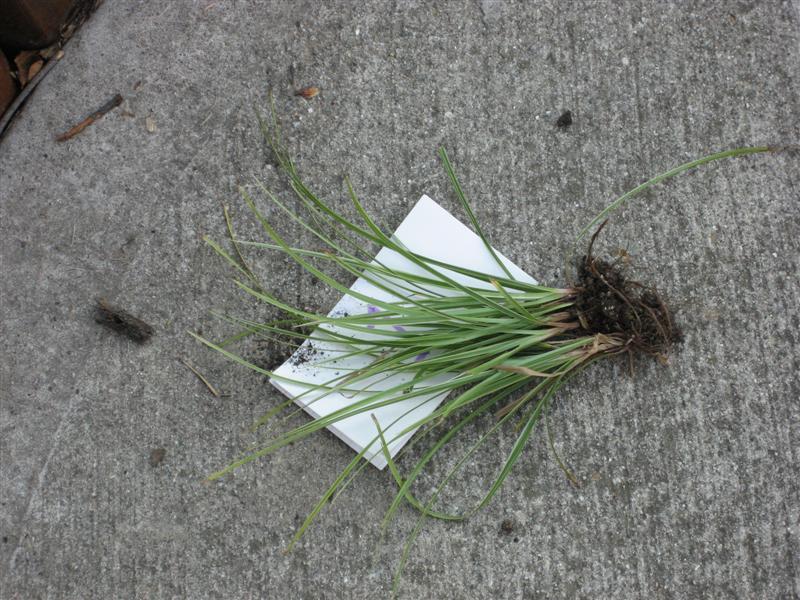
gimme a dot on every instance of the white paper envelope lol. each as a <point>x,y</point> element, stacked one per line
<point>428,230</point>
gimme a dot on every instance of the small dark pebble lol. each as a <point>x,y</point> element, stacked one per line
<point>157,456</point>
<point>507,526</point>
<point>5,539</point>
<point>565,120</point>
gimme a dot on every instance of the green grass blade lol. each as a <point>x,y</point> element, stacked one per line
<point>468,209</point>
<point>666,175</point>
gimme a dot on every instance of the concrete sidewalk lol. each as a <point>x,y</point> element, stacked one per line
<point>690,472</point>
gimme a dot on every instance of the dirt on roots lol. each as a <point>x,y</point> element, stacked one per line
<point>609,303</point>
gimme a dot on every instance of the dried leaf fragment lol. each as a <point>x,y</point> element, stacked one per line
<point>24,62</point>
<point>524,371</point>
<point>150,124</point>
<point>34,69</point>
<point>308,92</point>
<point>49,52</point>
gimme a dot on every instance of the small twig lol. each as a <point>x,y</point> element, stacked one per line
<point>95,116</point>
<point>207,383</point>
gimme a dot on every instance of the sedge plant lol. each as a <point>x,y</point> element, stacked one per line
<point>504,348</point>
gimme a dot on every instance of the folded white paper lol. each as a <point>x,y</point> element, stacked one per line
<point>428,230</point>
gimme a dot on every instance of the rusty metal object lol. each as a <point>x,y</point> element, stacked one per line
<point>8,89</point>
<point>31,24</point>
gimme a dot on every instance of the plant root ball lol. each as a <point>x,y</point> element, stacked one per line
<point>609,303</point>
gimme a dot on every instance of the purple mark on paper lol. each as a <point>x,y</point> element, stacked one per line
<point>398,328</point>
<point>422,356</point>
<point>371,310</point>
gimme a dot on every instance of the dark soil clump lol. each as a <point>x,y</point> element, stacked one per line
<point>609,303</point>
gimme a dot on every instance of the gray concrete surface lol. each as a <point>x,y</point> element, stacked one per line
<point>690,472</point>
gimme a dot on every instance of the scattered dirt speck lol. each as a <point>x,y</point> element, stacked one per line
<point>157,456</point>
<point>304,355</point>
<point>565,120</point>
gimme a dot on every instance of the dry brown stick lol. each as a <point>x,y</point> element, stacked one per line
<point>95,116</point>
<point>207,383</point>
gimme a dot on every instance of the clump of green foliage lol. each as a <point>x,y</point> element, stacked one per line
<point>507,349</point>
